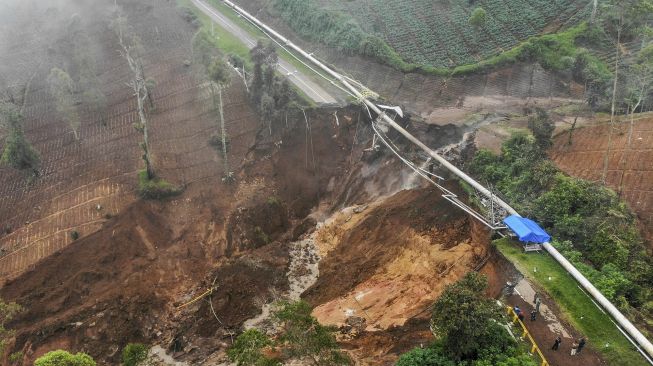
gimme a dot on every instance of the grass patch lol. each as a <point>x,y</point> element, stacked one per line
<point>224,40</point>
<point>577,307</point>
<point>230,44</point>
<point>283,54</point>
<point>155,188</point>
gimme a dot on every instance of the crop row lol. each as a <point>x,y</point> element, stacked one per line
<point>439,34</point>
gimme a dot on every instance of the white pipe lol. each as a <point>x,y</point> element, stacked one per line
<point>602,300</point>
<point>607,305</point>
<point>372,106</point>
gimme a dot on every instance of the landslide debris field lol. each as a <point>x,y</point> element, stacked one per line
<point>312,207</point>
<point>135,261</point>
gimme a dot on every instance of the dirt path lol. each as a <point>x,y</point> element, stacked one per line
<point>549,325</point>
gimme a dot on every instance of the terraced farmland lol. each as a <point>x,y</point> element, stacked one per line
<point>438,33</point>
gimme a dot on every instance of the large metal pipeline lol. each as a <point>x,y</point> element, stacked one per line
<point>584,282</point>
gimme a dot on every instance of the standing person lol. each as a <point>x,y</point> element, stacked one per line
<point>537,304</point>
<point>574,349</point>
<point>533,315</point>
<point>517,310</point>
<point>521,316</point>
<point>557,343</point>
<point>535,297</point>
<point>581,344</point>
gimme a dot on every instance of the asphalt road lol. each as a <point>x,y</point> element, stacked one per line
<point>299,79</point>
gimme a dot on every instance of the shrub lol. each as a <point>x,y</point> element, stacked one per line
<point>248,347</point>
<point>189,16</point>
<point>74,235</point>
<point>260,236</point>
<point>155,188</point>
<point>64,358</point>
<point>303,336</point>
<point>274,201</point>
<point>216,142</point>
<point>429,356</point>
<point>133,354</point>
<point>16,358</point>
<point>477,19</point>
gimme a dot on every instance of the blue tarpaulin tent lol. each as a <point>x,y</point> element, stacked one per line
<point>527,230</point>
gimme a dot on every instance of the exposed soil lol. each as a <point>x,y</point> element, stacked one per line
<point>140,270</point>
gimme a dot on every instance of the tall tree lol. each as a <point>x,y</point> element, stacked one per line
<point>303,336</point>
<point>462,316</point>
<point>63,91</point>
<point>18,152</point>
<point>210,65</point>
<point>639,82</point>
<point>132,51</point>
<point>7,312</point>
<point>542,128</point>
<point>623,20</point>
<point>219,76</point>
<point>84,75</point>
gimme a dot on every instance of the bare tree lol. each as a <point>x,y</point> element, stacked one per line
<point>623,17</point>
<point>210,65</point>
<point>131,51</point>
<point>219,77</point>
<point>62,88</point>
<point>639,84</point>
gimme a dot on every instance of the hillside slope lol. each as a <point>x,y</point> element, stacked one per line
<point>630,163</point>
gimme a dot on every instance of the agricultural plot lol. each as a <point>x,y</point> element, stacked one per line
<point>82,184</point>
<point>630,162</point>
<point>438,33</point>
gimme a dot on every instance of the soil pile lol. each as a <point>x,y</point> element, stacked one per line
<point>385,263</point>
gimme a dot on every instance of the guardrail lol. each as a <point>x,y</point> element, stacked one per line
<point>638,337</point>
<point>535,349</point>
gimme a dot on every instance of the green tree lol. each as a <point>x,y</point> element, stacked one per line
<point>18,152</point>
<point>203,50</point>
<point>303,336</point>
<point>8,310</point>
<point>542,128</point>
<point>248,348</point>
<point>462,316</point>
<point>218,72</point>
<point>133,354</point>
<point>211,65</point>
<point>97,101</point>
<point>430,356</point>
<point>62,89</point>
<point>267,109</point>
<point>477,19</point>
<point>64,358</point>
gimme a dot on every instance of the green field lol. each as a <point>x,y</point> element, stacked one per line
<point>578,308</point>
<point>437,33</point>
